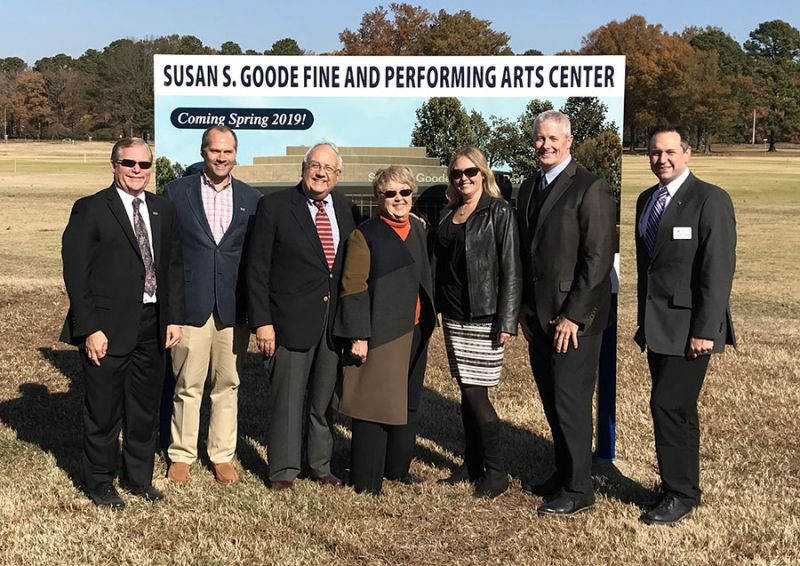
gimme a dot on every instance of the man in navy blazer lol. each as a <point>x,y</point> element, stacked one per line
<point>685,258</point>
<point>215,213</point>
<point>293,270</point>
<point>124,277</point>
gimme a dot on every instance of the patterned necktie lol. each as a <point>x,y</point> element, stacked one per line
<point>325,233</point>
<point>142,239</point>
<point>651,231</point>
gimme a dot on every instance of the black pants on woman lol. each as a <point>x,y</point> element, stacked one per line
<point>379,450</point>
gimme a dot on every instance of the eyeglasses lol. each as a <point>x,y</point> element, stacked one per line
<point>130,163</point>
<point>470,172</point>
<point>316,166</point>
<point>392,194</point>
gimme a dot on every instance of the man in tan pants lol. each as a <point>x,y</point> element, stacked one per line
<point>215,212</point>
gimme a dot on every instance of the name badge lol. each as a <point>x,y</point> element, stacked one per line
<point>682,233</point>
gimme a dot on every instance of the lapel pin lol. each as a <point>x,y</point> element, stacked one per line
<point>155,213</point>
<point>241,208</point>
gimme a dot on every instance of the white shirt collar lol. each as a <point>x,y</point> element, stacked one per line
<point>675,184</point>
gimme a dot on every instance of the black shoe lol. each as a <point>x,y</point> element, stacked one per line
<point>459,475</point>
<point>146,492</point>
<point>564,506</point>
<point>492,485</point>
<point>671,510</point>
<point>550,487</point>
<point>105,495</point>
<point>409,479</point>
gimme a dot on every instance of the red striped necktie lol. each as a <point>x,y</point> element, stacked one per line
<point>325,233</point>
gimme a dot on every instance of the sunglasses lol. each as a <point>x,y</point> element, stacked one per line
<point>392,194</point>
<point>470,172</point>
<point>132,163</point>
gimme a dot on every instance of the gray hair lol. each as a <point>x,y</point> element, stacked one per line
<point>125,143</point>
<point>320,144</point>
<point>553,116</point>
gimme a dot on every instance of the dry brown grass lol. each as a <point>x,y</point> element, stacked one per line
<point>749,413</point>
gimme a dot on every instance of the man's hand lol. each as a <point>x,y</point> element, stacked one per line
<point>265,339</point>
<point>503,337</point>
<point>566,333</point>
<point>96,347</point>
<point>358,349</point>
<point>700,347</point>
<point>524,313</point>
<point>174,335</point>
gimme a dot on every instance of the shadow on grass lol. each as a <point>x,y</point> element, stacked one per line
<point>52,421</point>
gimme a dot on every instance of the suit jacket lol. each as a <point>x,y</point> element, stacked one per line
<point>104,272</point>
<point>683,290</point>
<point>289,284</point>
<point>568,255</point>
<point>213,274</point>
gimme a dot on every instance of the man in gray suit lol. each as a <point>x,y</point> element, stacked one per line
<point>685,258</point>
<point>215,212</point>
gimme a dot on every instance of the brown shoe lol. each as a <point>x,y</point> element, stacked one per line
<point>225,473</point>
<point>281,485</point>
<point>179,473</point>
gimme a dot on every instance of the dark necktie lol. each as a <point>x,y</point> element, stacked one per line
<point>325,233</point>
<point>651,230</point>
<point>140,229</point>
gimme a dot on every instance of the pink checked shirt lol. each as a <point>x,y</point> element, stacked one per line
<point>218,205</point>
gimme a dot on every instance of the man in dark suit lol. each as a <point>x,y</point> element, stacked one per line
<point>293,270</point>
<point>124,277</point>
<point>215,213</point>
<point>685,259</point>
<point>567,234</point>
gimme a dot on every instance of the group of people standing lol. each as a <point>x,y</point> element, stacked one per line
<point>343,308</point>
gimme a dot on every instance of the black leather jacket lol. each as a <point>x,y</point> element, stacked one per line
<point>494,269</point>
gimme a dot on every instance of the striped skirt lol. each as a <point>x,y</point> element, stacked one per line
<point>473,352</point>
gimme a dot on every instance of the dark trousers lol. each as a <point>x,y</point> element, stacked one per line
<point>379,450</point>
<point>673,403</point>
<point>297,377</point>
<point>123,393</point>
<point>566,385</point>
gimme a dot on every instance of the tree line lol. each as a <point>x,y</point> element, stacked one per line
<point>701,77</point>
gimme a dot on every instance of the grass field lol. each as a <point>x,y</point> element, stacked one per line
<point>750,410</point>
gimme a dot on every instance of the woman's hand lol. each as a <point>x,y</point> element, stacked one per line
<point>503,337</point>
<point>358,349</point>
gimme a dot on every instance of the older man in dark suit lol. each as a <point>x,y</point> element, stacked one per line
<point>216,213</point>
<point>685,258</point>
<point>567,239</point>
<point>293,271</point>
<point>124,277</point>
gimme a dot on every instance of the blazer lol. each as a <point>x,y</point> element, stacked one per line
<point>104,272</point>
<point>213,273</point>
<point>568,255</point>
<point>683,290</point>
<point>289,284</point>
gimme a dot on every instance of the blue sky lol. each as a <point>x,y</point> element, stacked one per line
<point>40,28</point>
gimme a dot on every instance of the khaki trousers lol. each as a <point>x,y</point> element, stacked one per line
<point>216,352</point>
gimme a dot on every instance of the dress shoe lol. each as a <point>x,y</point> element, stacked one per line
<point>564,506</point>
<point>547,489</point>
<point>281,485</point>
<point>329,479</point>
<point>671,510</point>
<point>410,479</point>
<point>179,473</point>
<point>225,473</point>
<point>105,495</point>
<point>146,492</point>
